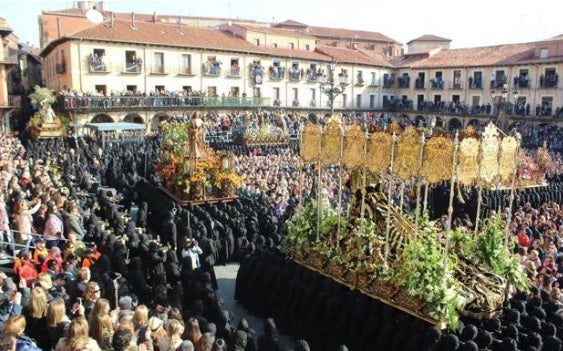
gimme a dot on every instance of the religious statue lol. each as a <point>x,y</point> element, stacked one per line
<point>196,137</point>
<point>44,97</point>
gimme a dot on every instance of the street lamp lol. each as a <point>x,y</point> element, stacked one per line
<point>329,86</point>
<point>501,121</point>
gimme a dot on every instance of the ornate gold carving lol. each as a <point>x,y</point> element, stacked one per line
<point>378,157</point>
<point>331,143</point>
<point>468,161</point>
<point>407,154</point>
<point>489,154</point>
<point>310,143</point>
<point>437,161</point>
<point>354,143</point>
<point>394,127</point>
<point>507,159</point>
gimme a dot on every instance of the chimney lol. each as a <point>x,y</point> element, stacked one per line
<point>154,16</point>
<point>133,19</point>
<point>180,21</point>
<point>58,27</point>
<point>111,19</point>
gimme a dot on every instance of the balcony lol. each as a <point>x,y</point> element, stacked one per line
<point>343,79</point>
<point>295,75</point>
<point>234,72</point>
<point>436,83</point>
<point>498,84</point>
<point>360,81</point>
<point>158,70</point>
<point>312,78</point>
<point>133,68</point>
<point>388,83</point>
<point>404,82</point>
<point>185,71</point>
<point>551,81</point>
<point>157,101</point>
<point>99,67</point>
<point>522,83</point>
<point>475,84</point>
<point>276,72</point>
<point>374,83</point>
<point>456,86</point>
<point>211,70</point>
<point>419,84</point>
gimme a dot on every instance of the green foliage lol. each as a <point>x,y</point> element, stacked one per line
<point>301,228</point>
<point>490,248</point>
<point>175,137</point>
<point>424,274</point>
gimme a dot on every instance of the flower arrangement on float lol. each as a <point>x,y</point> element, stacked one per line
<point>533,168</point>
<point>189,178</point>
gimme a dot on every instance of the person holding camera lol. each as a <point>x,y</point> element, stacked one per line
<point>191,251</point>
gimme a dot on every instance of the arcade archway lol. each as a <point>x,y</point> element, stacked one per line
<point>102,118</point>
<point>133,118</point>
<point>455,124</point>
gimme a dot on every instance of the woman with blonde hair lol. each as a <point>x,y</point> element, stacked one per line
<point>173,338</point>
<point>77,337</point>
<point>35,313</point>
<point>205,343</point>
<point>91,294</point>
<point>57,321</point>
<point>15,326</point>
<point>140,316</point>
<point>193,332</point>
<point>101,324</point>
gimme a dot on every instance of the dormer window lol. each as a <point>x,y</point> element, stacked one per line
<point>544,52</point>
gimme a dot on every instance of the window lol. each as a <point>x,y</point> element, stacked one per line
<point>256,92</point>
<point>420,80</point>
<point>212,66</point>
<point>234,92</point>
<point>187,89</point>
<point>307,47</point>
<point>437,82</point>
<point>186,64</point>
<point>61,63</point>
<point>523,78</point>
<point>344,100</point>
<point>159,89</point>
<point>276,95</point>
<point>212,91</point>
<point>499,79</point>
<point>549,79</point>
<point>457,79</point>
<point>234,70</point>
<point>257,41</point>
<point>274,43</point>
<point>372,101</point>
<point>358,100</point>
<point>292,45</point>
<point>404,81</point>
<point>313,96</point>
<point>133,63</point>
<point>373,79</point>
<point>476,82</point>
<point>158,63</point>
<point>544,52</point>
<point>131,89</point>
<point>295,93</point>
<point>295,72</point>
<point>97,60</point>
<point>360,77</point>
<point>101,89</point>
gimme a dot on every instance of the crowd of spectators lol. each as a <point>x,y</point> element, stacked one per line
<point>98,272</point>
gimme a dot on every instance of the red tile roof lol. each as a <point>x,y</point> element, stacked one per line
<point>429,37</point>
<point>349,34</point>
<point>482,56</point>
<point>291,23</point>
<point>278,31</point>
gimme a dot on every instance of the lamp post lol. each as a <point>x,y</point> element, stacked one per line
<point>330,87</point>
<point>501,121</point>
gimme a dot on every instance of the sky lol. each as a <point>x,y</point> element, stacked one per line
<point>468,23</point>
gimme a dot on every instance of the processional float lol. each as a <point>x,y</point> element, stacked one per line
<point>405,260</point>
